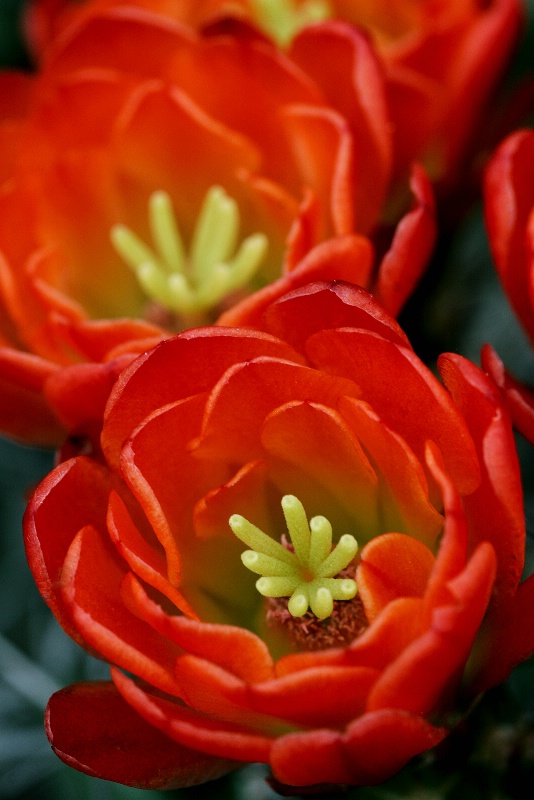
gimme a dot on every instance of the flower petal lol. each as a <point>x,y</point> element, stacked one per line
<point>495,509</point>
<point>81,717</point>
<point>63,495</point>
<point>411,248</point>
<point>305,311</point>
<point>94,602</point>
<point>332,458</point>
<point>392,566</point>
<point>204,355</point>
<point>374,747</point>
<point>425,411</point>
<point>402,487</point>
<point>187,727</point>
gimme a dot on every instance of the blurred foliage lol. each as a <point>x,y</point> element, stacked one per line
<point>12,51</point>
<point>458,307</point>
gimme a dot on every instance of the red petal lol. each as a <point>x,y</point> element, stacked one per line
<point>373,749</point>
<point>478,63</point>
<point>380,743</point>
<point>403,488</point>
<point>399,623</point>
<point>411,248</point>
<point>99,340</point>
<point>345,258</point>
<point>507,639</point>
<point>203,355</point>
<point>418,680</point>
<point>168,493</point>
<point>62,496</point>
<point>257,388</point>
<point>349,74</point>
<point>495,510</point>
<point>246,493</point>
<point>392,566</point>
<point>141,553</point>
<point>120,33</point>
<point>79,394</point>
<point>323,149</point>
<point>186,726</point>
<point>24,412</point>
<point>92,729</point>
<point>194,150</point>
<point>237,650</point>
<point>424,409</point>
<point>93,598</point>
<point>509,199</point>
<point>323,695</point>
<point>331,457</point>
<point>396,627</point>
<point>303,312</point>
<point>518,398</point>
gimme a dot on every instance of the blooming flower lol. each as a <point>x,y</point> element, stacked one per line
<point>297,547</point>
<point>509,208</point>
<point>158,191</point>
<point>441,59</point>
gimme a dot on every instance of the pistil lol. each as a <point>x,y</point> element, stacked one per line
<point>215,266</point>
<point>283,19</point>
<point>307,575</point>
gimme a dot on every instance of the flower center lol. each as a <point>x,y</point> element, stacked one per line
<point>215,265</point>
<point>306,575</point>
<point>282,19</point>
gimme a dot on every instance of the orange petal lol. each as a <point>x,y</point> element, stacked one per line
<point>392,566</point>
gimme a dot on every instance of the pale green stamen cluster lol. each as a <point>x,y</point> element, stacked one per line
<point>307,575</point>
<point>187,284</point>
<point>282,19</point>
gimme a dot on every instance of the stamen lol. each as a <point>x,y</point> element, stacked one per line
<point>306,576</point>
<point>282,19</point>
<point>216,265</point>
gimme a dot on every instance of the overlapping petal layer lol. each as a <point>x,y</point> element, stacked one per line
<point>509,209</point>
<point>223,421</point>
<point>441,60</point>
<point>113,162</point>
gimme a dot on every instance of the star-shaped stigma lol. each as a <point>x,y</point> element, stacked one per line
<point>215,265</point>
<point>283,19</point>
<point>306,575</point>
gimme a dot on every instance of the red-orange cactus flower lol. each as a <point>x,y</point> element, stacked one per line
<point>332,666</point>
<point>442,59</point>
<point>152,178</point>
<point>509,209</point>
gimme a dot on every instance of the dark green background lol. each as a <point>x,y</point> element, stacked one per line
<point>458,307</point>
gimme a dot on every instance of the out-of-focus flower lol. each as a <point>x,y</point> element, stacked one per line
<point>442,59</point>
<point>153,178</point>
<point>321,423</point>
<point>509,209</point>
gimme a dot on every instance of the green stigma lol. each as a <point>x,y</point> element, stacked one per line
<point>215,265</point>
<point>306,576</point>
<point>282,19</point>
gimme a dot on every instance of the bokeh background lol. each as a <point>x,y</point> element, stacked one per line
<point>458,307</point>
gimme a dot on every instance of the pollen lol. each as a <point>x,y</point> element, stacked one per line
<point>283,20</point>
<point>306,575</point>
<point>216,264</point>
